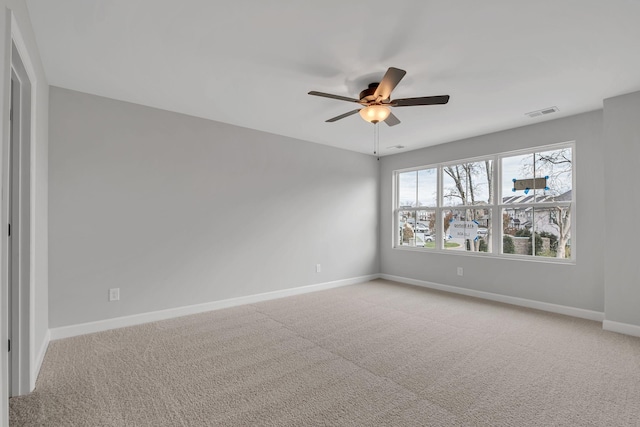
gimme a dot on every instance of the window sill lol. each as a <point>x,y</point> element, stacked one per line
<point>526,258</point>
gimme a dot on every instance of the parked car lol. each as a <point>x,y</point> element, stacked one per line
<point>422,228</point>
<point>482,231</point>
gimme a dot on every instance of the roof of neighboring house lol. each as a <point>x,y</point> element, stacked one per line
<point>528,198</point>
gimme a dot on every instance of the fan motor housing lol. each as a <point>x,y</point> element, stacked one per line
<point>367,94</point>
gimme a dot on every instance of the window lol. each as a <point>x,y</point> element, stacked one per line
<point>513,204</point>
<point>467,191</point>
<point>416,215</point>
<point>537,219</point>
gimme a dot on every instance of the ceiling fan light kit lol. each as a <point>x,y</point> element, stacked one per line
<point>375,113</point>
<point>376,100</point>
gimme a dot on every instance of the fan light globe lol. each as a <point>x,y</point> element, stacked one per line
<point>375,113</point>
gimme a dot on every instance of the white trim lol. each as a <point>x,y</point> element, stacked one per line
<point>5,106</point>
<point>137,319</point>
<point>621,328</point>
<point>18,40</point>
<point>25,341</point>
<point>524,258</point>
<point>39,359</point>
<point>538,305</point>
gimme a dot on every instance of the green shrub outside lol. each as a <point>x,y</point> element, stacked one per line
<point>507,245</point>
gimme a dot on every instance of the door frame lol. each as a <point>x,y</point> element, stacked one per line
<point>18,63</point>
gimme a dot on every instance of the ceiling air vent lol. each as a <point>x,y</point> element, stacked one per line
<point>543,112</point>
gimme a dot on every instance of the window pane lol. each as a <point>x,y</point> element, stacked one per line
<point>556,165</point>
<point>553,231</point>
<point>516,226</point>
<point>406,228</point>
<point>416,228</point>
<point>516,167</point>
<point>407,186</point>
<point>467,230</point>
<point>467,183</point>
<point>425,229</point>
<point>427,187</point>
<point>540,231</point>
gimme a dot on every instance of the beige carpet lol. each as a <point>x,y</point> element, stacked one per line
<point>372,354</point>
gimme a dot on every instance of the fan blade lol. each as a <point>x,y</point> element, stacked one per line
<point>390,80</point>
<point>342,116</point>
<point>425,100</point>
<point>328,95</point>
<point>392,120</point>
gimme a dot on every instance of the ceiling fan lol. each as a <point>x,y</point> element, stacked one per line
<point>376,100</point>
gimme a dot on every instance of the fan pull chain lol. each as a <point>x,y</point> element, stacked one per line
<point>376,140</point>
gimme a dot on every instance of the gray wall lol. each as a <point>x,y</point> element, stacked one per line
<point>176,210</point>
<point>622,161</point>
<point>579,285</point>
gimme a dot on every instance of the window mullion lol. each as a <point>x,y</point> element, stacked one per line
<point>496,213</point>
<point>439,218</point>
<point>417,174</point>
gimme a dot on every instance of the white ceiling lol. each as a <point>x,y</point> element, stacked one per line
<point>251,62</point>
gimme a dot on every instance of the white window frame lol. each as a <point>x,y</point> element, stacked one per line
<point>496,207</point>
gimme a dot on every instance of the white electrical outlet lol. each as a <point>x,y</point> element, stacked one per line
<point>460,271</point>
<point>114,294</point>
<point>318,268</point>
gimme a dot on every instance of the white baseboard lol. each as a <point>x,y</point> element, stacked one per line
<point>545,306</point>
<point>621,328</point>
<point>137,319</point>
<point>39,359</point>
